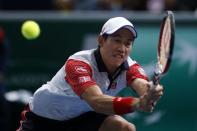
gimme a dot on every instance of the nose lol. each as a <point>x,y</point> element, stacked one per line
<point>121,47</point>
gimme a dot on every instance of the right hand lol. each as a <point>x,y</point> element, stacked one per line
<point>150,98</point>
<point>146,103</point>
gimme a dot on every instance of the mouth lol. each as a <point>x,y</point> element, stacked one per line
<point>118,56</point>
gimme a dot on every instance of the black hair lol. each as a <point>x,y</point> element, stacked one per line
<point>105,36</point>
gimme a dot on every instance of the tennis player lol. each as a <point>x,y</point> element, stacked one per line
<point>82,95</point>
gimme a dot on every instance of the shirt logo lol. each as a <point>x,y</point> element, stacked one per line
<point>141,71</point>
<point>84,79</point>
<point>81,69</point>
<point>113,85</point>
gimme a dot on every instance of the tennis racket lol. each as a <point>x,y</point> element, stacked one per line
<point>165,46</point>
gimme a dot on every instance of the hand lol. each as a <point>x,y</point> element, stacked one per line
<point>146,104</point>
<point>150,98</point>
<point>143,103</point>
<point>155,91</point>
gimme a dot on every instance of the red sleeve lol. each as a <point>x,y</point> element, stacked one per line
<point>78,75</point>
<point>135,71</point>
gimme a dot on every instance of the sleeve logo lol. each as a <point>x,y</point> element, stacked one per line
<point>141,71</point>
<point>81,69</point>
<point>84,79</point>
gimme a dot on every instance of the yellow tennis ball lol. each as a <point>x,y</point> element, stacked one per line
<point>30,29</point>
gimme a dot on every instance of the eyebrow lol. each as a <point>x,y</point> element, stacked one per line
<point>117,35</point>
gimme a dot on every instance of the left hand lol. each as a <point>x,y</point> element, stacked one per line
<point>155,91</point>
<point>150,98</point>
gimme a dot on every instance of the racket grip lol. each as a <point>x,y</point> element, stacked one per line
<point>156,79</point>
<point>157,73</point>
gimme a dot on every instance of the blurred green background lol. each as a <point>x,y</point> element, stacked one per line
<point>33,63</point>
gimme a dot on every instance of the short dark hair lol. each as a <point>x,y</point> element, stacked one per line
<point>105,36</point>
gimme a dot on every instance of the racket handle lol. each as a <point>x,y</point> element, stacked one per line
<point>156,79</point>
<point>157,73</point>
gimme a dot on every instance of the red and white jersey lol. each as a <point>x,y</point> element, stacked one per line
<point>60,99</point>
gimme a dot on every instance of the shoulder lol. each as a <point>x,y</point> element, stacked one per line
<point>83,53</point>
<point>85,56</point>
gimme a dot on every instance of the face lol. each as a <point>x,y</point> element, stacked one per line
<point>116,48</point>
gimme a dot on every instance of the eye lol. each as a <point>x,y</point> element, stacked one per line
<point>118,40</point>
<point>128,43</point>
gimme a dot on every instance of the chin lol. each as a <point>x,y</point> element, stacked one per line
<point>118,63</point>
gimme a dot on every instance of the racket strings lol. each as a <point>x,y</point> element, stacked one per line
<point>165,43</point>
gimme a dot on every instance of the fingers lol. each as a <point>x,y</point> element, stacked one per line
<point>150,98</point>
<point>155,92</point>
<point>158,88</point>
<point>146,104</point>
<point>153,87</point>
<point>156,96</point>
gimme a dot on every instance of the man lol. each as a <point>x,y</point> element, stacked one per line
<point>82,95</point>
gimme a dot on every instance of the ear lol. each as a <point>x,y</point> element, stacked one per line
<point>100,40</point>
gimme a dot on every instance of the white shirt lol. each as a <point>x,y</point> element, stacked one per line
<point>59,100</point>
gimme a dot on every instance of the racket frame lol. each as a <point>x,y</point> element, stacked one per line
<point>159,69</point>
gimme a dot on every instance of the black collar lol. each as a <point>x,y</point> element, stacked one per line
<point>101,65</point>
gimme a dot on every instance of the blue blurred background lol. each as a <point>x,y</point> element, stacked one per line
<point>68,26</point>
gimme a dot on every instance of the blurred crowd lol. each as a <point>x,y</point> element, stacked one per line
<point>112,5</point>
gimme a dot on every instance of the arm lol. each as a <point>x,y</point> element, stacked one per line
<point>79,76</point>
<point>107,104</point>
<point>147,92</point>
<point>137,79</point>
<point>98,101</point>
<point>141,86</point>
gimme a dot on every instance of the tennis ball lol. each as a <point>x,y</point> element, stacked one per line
<point>30,29</point>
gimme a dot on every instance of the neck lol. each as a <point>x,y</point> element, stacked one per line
<point>110,67</point>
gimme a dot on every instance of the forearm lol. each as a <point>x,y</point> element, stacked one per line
<point>108,104</point>
<point>148,95</point>
<point>115,105</point>
<point>102,104</point>
<point>140,86</point>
